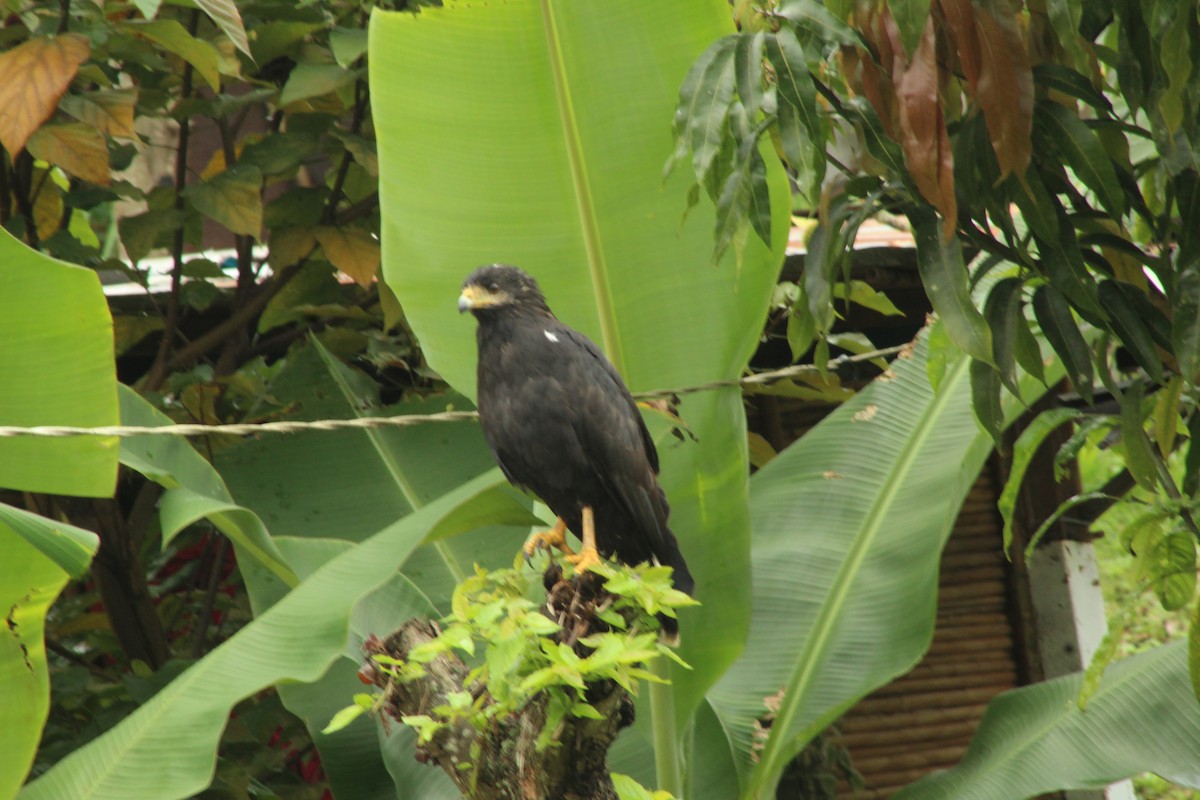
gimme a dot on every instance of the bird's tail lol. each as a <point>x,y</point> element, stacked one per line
<point>680,573</point>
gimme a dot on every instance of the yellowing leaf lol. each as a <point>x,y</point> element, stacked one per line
<point>109,111</point>
<point>232,198</point>
<point>78,148</point>
<point>47,208</point>
<point>225,14</point>
<point>352,250</point>
<point>289,246</point>
<point>36,73</point>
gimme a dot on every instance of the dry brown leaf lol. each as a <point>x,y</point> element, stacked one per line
<point>924,138</point>
<point>1005,86</point>
<point>876,81</point>
<point>78,149</point>
<point>995,63</point>
<point>352,250</point>
<point>36,73</point>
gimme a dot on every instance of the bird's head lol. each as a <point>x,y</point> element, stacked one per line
<point>499,286</point>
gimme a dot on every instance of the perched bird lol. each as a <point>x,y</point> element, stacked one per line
<point>562,424</point>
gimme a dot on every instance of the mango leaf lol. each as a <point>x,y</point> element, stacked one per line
<point>56,367</point>
<point>1065,16</point>
<point>748,70</point>
<point>910,19</point>
<point>944,276</point>
<point>167,747</point>
<point>926,143</point>
<point>1003,314</point>
<point>814,17</point>
<point>29,583</point>
<point>801,132</point>
<point>576,197</point>
<point>1004,87</point>
<point>985,399</point>
<point>36,73</point>
<point>1060,329</point>
<point>704,100</point>
<point>1130,323</point>
<point>883,474</point>
<point>1173,569</point>
<point>1139,457</point>
<point>1185,326</point>
<point>1036,739</point>
<point>1082,150</point>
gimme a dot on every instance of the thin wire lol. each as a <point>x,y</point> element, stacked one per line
<point>401,421</point>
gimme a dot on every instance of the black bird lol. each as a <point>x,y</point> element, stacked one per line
<point>562,424</point>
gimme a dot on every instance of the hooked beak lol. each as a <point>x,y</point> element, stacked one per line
<point>475,297</point>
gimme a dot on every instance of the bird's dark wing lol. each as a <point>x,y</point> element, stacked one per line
<point>616,385</point>
<point>625,458</point>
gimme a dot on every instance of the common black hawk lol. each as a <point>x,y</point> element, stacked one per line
<point>562,424</point>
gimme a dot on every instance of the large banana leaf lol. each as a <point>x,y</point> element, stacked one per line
<point>56,368</point>
<point>194,490</point>
<point>30,580</point>
<point>334,489</point>
<point>167,747</point>
<point>535,133</point>
<point>849,524</point>
<point>352,757</point>
<point>1032,740</point>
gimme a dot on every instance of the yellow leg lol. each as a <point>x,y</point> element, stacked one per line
<point>588,556</point>
<point>556,537</point>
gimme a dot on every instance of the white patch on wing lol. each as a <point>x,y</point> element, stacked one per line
<point>550,336</point>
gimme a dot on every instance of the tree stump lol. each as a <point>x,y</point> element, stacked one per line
<point>508,764</point>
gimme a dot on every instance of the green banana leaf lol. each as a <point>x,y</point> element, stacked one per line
<point>56,368</point>
<point>351,758</point>
<point>328,489</point>
<point>1033,740</point>
<point>167,747</point>
<point>534,133</point>
<point>849,524</point>
<point>30,580</point>
<point>194,490</point>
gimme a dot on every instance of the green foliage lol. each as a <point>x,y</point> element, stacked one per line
<point>497,621</point>
<point>272,139</point>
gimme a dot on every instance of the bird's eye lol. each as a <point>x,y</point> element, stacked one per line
<point>493,286</point>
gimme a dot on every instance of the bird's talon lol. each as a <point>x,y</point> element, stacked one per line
<point>584,560</point>
<point>555,538</point>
